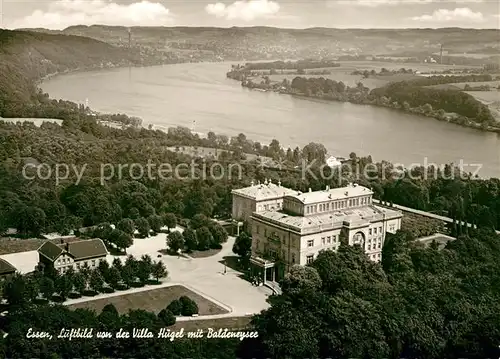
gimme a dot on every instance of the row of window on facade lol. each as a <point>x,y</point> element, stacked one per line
<point>377,244</point>
<point>310,257</point>
<point>268,207</point>
<point>324,240</point>
<point>91,263</point>
<point>273,253</point>
<point>378,230</point>
<point>336,205</point>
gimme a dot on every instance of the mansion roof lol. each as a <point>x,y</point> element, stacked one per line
<point>362,215</point>
<point>332,194</point>
<point>264,191</point>
<point>77,250</point>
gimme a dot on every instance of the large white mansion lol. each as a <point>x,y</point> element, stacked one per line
<point>294,227</point>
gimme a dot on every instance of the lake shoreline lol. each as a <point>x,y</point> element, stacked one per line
<point>451,120</point>
<point>107,68</point>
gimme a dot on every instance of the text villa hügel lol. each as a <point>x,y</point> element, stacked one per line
<point>144,333</point>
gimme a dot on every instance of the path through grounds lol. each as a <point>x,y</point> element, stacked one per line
<point>204,276</point>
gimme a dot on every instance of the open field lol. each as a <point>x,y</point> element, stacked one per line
<point>486,97</point>
<point>235,323</point>
<point>153,300</point>
<point>461,85</point>
<point>344,72</point>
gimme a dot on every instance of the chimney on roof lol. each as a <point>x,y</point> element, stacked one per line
<point>270,181</point>
<point>355,185</point>
<point>265,182</point>
<point>66,247</point>
<point>252,183</point>
<point>279,183</point>
<point>62,241</point>
<point>310,190</point>
<point>327,187</point>
<point>258,182</point>
<point>346,193</point>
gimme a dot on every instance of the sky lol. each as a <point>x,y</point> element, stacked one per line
<point>59,14</point>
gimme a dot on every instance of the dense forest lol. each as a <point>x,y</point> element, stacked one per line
<point>26,57</point>
<point>410,96</point>
<point>63,205</point>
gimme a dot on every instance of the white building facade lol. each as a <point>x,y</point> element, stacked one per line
<point>307,223</point>
<point>258,197</point>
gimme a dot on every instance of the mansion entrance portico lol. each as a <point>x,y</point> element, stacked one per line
<point>264,269</point>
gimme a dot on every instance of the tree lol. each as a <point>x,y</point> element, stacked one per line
<point>117,263</point>
<point>96,281</point>
<point>146,258</point>
<point>85,270</point>
<point>70,273</point>
<point>132,263</point>
<point>427,108</point>
<point>189,306</point>
<point>243,246</point>
<point>170,220</point>
<point>103,268</point>
<point>143,227</point>
<point>47,288</point>
<point>126,225</point>
<point>190,240</point>
<point>114,277</point>
<point>155,222</point>
<point>128,275</point>
<point>79,282</point>
<point>109,318</point>
<point>15,290</point>
<point>167,317</point>
<point>121,239</point>
<point>63,286</point>
<point>30,220</point>
<point>144,269</point>
<point>204,238</point>
<point>301,278</point>
<point>159,270</point>
<point>219,234</point>
<point>175,307</point>
<point>175,241</point>
<point>198,221</point>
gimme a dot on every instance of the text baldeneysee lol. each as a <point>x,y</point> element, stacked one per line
<point>142,333</point>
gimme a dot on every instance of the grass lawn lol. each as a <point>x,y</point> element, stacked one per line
<point>203,254</point>
<point>152,300</point>
<point>15,245</point>
<point>236,323</point>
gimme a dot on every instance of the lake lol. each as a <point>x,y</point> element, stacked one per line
<point>199,94</point>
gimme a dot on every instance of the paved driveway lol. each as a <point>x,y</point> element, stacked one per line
<point>206,276</point>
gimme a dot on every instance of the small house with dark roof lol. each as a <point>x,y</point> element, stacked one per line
<point>73,255</point>
<point>6,269</point>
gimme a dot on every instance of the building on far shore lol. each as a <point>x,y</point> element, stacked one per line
<point>6,269</point>
<point>73,254</point>
<point>302,224</point>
